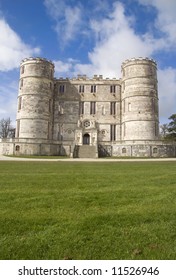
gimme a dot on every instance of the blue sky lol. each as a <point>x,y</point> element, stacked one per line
<point>87,37</point>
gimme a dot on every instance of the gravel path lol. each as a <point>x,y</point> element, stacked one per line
<point>5,158</point>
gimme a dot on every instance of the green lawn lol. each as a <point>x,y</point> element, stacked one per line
<point>76,210</point>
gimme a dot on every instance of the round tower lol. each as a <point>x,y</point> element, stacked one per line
<point>139,100</point>
<point>35,99</point>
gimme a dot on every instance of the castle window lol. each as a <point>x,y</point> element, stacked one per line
<point>124,106</point>
<point>124,130</point>
<point>113,132</point>
<point>129,107</point>
<point>113,108</point>
<point>123,150</point>
<point>103,110</point>
<point>92,108</point>
<point>21,83</point>
<point>61,108</point>
<point>93,88</point>
<point>123,86</point>
<point>50,105</point>
<point>22,69</point>
<point>156,129</point>
<point>155,150</point>
<point>86,123</point>
<point>18,128</point>
<point>62,88</point>
<point>19,103</point>
<point>17,148</point>
<point>112,89</point>
<point>81,88</point>
<point>81,108</point>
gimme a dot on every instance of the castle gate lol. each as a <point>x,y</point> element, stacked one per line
<point>86,139</point>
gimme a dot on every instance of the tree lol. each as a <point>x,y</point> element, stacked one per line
<point>6,129</point>
<point>164,130</point>
<point>172,127</point>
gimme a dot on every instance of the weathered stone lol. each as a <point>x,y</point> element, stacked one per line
<point>119,117</point>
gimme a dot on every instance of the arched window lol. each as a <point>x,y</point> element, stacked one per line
<point>123,150</point>
<point>155,150</point>
<point>17,148</point>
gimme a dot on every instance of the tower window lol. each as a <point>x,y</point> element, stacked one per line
<point>92,108</point>
<point>103,110</point>
<point>19,103</point>
<point>124,130</point>
<point>112,89</point>
<point>81,88</point>
<point>22,69</point>
<point>113,108</point>
<point>124,106</point>
<point>123,150</point>
<point>93,88</point>
<point>18,128</point>
<point>50,105</point>
<point>21,83</point>
<point>156,129</point>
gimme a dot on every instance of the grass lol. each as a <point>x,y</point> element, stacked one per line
<point>72,210</point>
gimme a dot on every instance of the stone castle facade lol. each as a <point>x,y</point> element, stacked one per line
<point>83,117</point>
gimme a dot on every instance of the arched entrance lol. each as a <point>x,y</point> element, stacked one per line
<point>86,139</point>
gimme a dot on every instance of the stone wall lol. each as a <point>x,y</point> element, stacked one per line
<point>7,146</point>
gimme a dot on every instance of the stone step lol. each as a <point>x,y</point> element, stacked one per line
<point>86,151</point>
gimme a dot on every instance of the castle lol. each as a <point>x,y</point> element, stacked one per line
<point>83,117</point>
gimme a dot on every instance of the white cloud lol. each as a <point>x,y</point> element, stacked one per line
<point>167,92</point>
<point>12,48</point>
<point>116,41</point>
<point>68,19</point>
<point>70,25</point>
<point>166,20</point>
<point>62,67</point>
<point>8,100</point>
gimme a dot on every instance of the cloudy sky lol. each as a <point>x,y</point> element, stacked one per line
<point>87,37</point>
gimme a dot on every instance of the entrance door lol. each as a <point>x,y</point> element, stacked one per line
<point>86,139</point>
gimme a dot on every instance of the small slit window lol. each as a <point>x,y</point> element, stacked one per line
<point>22,69</point>
<point>21,83</point>
<point>19,103</point>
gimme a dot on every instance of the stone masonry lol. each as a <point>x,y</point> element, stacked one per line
<point>118,117</point>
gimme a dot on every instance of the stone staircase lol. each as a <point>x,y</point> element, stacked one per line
<point>86,151</point>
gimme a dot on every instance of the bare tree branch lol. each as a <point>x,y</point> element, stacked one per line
<point>6,129</point>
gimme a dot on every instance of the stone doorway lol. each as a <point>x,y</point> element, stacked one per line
<point>86,139</point>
